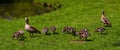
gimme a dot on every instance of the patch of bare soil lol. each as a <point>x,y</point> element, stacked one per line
<point>78,41</point>
<point>21,42</point>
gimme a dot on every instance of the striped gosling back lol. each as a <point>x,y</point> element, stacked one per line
<point>18,34</point>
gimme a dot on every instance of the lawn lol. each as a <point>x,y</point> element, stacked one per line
<point>75,13</point>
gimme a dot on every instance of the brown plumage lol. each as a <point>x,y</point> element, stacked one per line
<point>84,30</point>
<point>18,34</point>
<point>105,20</point>
<point>45,30</point>
<point>53,29</point>
<point>100,29</point>
<point>59,6</point>
<point>45,4</point>
<point>73,31</point>
<point>69,30</point>
<point>83,34</point>
<point>66,29</point>
<point>30,29</point>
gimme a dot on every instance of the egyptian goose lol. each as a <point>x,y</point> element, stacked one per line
<point>84,34</point>
<point>53,29</point>
<point>105,20</point>
<point>66,29</point>
<point>30,29</point>
<point>18,34</point>
<point>69,30</point>
<point>46,4</point>
<point>45,30</point>
<point>73,31</point>
<point>100,29</point>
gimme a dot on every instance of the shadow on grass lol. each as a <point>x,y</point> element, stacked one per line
<point>35,36</point>
<point>108,26</point>
<point>22,39</point>
<point>74,35</point>
<point>89,40</point>
<point>55,33</point>
<point>116,44</point>
<point>79,41</point>
<point>48,34</point>
<point>104,34</point>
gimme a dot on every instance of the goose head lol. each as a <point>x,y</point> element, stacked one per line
<point>26,20</point>
<point>103,13</point>
<point>27,23</point>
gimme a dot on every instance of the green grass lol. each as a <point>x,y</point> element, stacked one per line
<point>76,13</point>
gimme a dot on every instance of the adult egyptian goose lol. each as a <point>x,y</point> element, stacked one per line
<point>30,29</point>
<point>105,20</point>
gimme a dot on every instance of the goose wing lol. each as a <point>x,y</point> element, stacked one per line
<point>33,28</point>
<point>105,20</point>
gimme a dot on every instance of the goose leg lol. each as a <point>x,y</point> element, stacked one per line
<point>13,37</point>
<point>22,36</point>
<point>30,34</point>
<point>101,33</point>
<point>80,37</point>
<point>85,38</point>
<point>54,33</point>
